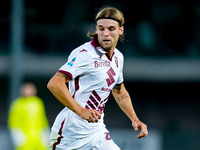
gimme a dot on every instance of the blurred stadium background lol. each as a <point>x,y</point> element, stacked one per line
<point>162,63</point>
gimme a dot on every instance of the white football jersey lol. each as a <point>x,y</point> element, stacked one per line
<point>92,74</point>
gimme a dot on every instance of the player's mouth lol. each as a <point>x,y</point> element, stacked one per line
<point>106,41</point>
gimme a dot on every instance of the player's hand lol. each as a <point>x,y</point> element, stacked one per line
<point>91,115</point>
<point>143,127</point>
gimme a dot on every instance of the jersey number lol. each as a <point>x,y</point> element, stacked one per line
<point>110,73</point>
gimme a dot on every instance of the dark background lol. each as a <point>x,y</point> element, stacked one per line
<point>154,29</point>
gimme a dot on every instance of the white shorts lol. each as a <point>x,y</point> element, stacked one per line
<point>97,141</point>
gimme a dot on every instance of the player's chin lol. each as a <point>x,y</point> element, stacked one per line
<point>107,47</point>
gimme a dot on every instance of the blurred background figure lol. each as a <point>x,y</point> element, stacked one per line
<point>27,120</point>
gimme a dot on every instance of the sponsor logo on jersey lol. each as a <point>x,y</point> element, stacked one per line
<point>71,62</point>
<point>101,64</point>
<point>105,89</point>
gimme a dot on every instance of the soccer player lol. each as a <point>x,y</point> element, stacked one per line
<point>92,71</point>
<point>27,120</point>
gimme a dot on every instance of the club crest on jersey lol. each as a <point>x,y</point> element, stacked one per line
<point>71,62</point>
<point>116,61</point>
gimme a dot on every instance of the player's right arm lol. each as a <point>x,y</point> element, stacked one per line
<point>57,86</point>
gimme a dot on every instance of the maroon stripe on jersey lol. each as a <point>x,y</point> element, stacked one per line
<point>60,137</point>
<point>106,99</point>
<point>92,106</point>
<point>93,101</point>
<point>96,95</point>
<point>67,73</point>
<point>92,98</point>
<point>101,107</point>
<point>76,82</point>
<point>87,107</point>
<point>61,127</point>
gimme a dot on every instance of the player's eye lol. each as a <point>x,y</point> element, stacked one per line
<point>111,28</point>
<point>101,28</point>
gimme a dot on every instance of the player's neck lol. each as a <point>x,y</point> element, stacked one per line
<point>110,52</point>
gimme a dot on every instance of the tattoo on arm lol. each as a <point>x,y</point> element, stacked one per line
<point>117,87</point>
<point>121,98</point>
<point>63,75</point>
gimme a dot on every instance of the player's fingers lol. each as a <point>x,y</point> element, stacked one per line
<point>144,131</point>
<point>98,114</point>
<point>142,134</point>
<point>94,117</point>
<point>135,125</point>
<point>91,119</point>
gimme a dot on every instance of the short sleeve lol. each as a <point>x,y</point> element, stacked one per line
<point>121,78</point>
<point>78,63</point>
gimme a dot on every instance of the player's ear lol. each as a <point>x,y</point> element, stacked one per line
<point>121,30</point>
<point>96,29</point>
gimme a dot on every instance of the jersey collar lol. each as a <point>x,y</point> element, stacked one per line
<point>95,43</point>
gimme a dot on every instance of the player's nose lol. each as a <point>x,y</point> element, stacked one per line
<point>105,32</point>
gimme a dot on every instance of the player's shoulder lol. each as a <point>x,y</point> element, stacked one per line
<point>84,49</point>
<point>83,52</point>
<point>118,53</point>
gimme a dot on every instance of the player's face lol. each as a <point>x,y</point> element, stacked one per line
<point>108,32</point>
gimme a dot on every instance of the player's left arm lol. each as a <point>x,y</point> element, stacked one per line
<point>123,99</point>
